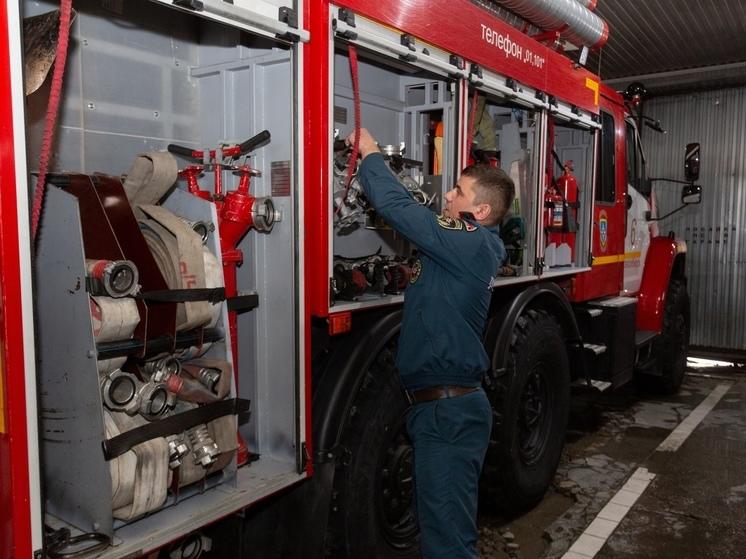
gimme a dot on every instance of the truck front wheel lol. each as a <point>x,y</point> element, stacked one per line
<point>371,511</point>
<point>530,400</point>
<point>672,346</point>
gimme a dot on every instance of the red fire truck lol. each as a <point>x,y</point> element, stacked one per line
<point>147,245</point>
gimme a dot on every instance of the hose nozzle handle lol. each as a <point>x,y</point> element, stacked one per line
<point>252,143</point>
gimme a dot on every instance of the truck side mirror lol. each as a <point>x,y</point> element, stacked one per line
<point>691,162</point>
<point>691,194</point>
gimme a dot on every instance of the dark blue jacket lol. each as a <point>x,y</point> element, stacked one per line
<point>446,304</point>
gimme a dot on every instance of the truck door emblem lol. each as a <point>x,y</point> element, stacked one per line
<point>603,230</point>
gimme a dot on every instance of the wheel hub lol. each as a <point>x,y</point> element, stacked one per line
<point>397,489</point>
<point>533,415</point>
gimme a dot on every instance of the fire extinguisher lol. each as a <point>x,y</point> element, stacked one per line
<point>568,185</point>
<point>553,209</point>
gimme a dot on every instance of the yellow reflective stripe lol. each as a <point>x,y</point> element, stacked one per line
<point>614,258</point>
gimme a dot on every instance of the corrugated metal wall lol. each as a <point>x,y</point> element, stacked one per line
<point>715,231</point>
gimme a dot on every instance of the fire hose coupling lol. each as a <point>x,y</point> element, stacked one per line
<point>154,400</point>
<point>209,377</point>
<point>112,278</point>
<point>350,203</point>
<point>191,547</point>
<point>160,370</point>
<point>123,392</point>
<point>177,450</point>
<point>202,228</point>
<point>120,392</point>
<point>265,215</point>
<point>204,448</point>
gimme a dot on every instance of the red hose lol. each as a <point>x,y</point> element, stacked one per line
<point>52,109</point>
<point>351,163</point>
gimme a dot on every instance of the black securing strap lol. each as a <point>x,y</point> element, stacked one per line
<point>116,446</point>
<point>211,295</point>
<point>243,303</point>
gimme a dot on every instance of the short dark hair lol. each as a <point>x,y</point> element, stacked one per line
<point>493,187</point>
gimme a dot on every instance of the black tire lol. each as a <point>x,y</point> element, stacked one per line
<point>371,511</point>
<point>672,347</point>
<point>530,402</point>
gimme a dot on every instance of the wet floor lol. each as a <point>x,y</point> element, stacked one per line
<point>694,505</point>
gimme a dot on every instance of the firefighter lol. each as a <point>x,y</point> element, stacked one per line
<point>441,358</point>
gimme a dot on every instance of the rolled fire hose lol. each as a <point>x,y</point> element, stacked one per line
<point>151,176</point>
<point>178,252</point>
<point>139,482</point>
<point>113,319</point>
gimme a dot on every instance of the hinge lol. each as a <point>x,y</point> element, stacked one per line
<point>305,456</point>
<point>289,17</point>
<point>339,454</point>
<point>541,96</point>
<point>475,74</point>
<point>332,289</point>
<point>538,266</point>
<point>347,16</point>
<point>574,110</point>
<point>510,82</point>
<point>553,101</point>
<point>408,41</point>
<point>457,61</point>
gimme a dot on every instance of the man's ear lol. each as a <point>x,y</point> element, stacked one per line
<point>482,212</point>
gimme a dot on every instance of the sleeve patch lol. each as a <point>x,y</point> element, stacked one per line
<point>416,271</point>
<point>450,223</point>
<point>455,224</point>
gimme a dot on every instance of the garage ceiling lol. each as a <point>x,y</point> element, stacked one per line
<point>672,46</point>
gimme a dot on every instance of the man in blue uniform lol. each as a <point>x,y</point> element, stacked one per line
<point>441,358</point>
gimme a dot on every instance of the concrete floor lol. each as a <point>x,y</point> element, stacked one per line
<point>693,508</point>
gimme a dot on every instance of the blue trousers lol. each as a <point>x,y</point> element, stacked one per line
<point>450,439</point>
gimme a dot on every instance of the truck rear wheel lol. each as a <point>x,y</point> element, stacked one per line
<point>530,401</point>
<point>371,511</point>
<point>671,348</point>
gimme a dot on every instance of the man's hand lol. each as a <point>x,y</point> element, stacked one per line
<point>368,143</point>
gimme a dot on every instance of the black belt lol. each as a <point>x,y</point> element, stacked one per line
<point>438,393</point>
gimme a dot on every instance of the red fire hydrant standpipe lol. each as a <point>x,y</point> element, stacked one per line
<point>238,212</point>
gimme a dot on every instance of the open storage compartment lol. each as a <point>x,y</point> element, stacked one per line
<point>505,134</point>
<point>133,293</point>
<point>568,194</point>
<point>410,108</point>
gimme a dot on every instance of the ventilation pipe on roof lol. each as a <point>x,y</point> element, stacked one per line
<point>579,25</point>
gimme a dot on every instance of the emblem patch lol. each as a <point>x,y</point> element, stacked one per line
<point>450,223</point>
<point>416,271</point>
<point>603,230</point>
